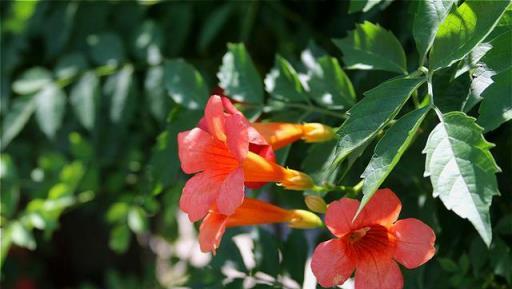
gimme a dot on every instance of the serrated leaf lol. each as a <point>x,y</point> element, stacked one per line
<point>84,98</point>
<point>32,81</point>
<point>329,85</point>
<point>496,108</point>
<point>185,84</point>
<point>370,46</point>
<point>106,49</point>
<point>462,170</point>
<point>283,83</point>
<point>389,150</point>
<point>50,108</point>
<point>238,75</point>
<point>429,15</point>
<point>380,105</point>
<point>496,60</point>
<point>463,29</point>
<point>18,115</point>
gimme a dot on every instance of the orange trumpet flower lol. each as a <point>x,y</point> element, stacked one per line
<point>371,244</point>
<point>220,155</point>
<point>251,212</point>
<point>279,134</point>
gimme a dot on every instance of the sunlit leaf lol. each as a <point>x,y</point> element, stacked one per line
<point>463,29</point>
<point>50,108</point>
<point>462,170</point>
<point>84,98</point>
<point>32,80</point>
<point>185,84</point>
<point>18,115</point>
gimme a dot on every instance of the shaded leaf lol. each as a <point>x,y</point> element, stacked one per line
<point>119,239</point>
<point>496,108</point>
<point>10,192</point>
<point>50,108</point>
<point>154,90</point>
<point>463,29</point>
<point>185,84</point>
<point>389,150</point>
<point>148,42</point>
<point>32,80</point>
<point>283,83</point>
<point>84,98</point>
<point>18,115</point>
<point>462,170</point>
<point>215,21</point>
<point>238,75</point>
<point>70,65</point>
<point>295,255</point>
<point>119,87</point>
<point>370,46</point>
<point>106,49</point>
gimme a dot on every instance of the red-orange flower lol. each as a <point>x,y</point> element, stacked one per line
<point>280,134</point>
<point>251,212</point>
<point>218,152</point>
<point>371,243</point>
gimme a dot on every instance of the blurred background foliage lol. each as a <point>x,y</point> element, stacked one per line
<point>93,94</point>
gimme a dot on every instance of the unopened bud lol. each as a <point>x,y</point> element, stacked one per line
<point>303,219</point>
<point>295,180</point>
<point>317,132</point>
<point>315,204</point>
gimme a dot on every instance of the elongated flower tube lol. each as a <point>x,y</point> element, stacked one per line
<point>218,153</point>
<point>251,212</point>
<point>280,134</point>
<point>371,244</point>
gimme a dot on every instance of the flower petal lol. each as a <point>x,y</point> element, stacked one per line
<point>198,195</point>
<point>339,215</point>
<point>383,209</point>
<point>330,263</point>
<point>229,107</point>
<point>378,274</point>
<point>192,144</point>
<point>237,137</point>
<point>231,194</point>
<point>210,232</point>
<point>415,242</point>
<point>214,116</point>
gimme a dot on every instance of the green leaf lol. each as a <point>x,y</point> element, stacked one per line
<point>328,83</point>
<point>148,42</point>
<point>283,83</point>
<point>22,236</point>
<point>5,245</point>
<point>70,65</point>
<point>389,150</point>
<point>363,5</point>
<point>449,92</point>
<point>10,191</point>
<point>380,105</point>
<point>496,108</point>
<point>158,101</point>
<point>185,84</point>
<point>370,46</point>
<point>266,253</point>
<point>448,265</point>
<point>18,115</point>
<point>119,239</point>
<point>215,21</point>
<point>462,170</point>
<point>295,255</point>
<point>463,29</point>
<point>496,60</point>
<point>137,220</point>
<point>106,49</point>
<point>238,75</point>
<point>120,88</point>
<point>32,81</point>
<point>61,20</point>
<point>19,15</point>
<point>429,15</point>
<point>50,108</point>
<point>84,98</point>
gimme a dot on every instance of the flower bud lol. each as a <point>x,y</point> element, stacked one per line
<point>315,204</point>
<point>317,132</point>
<point>295,180</point>
<point>302,219</point>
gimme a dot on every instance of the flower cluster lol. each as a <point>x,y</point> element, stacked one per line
<point>226,153</point>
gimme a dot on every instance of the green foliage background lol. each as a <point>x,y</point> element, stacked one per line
<point>93,94</point>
